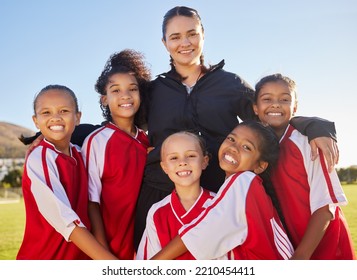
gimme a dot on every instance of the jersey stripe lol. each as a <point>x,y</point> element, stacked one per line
<point>90,145</point>
<point>45,167</point>
<point>212,205</point>
<point>281,240</point>
<point>327,177</point>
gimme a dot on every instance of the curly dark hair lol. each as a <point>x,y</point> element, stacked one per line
<point>126,61</point>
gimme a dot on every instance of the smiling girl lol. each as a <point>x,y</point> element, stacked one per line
<point>115,154</point>
<point>309,195</point>
<point>183,158</point>
<point>54,185</point>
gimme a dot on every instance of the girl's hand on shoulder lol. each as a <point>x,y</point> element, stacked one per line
<point>328,147</point>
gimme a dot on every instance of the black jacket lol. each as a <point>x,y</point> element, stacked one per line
<point>211,110</point>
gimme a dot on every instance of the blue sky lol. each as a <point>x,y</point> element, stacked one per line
<point>68,42</point>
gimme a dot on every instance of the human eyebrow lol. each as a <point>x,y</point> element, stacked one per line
<point>192,30</point>
<point>251,144</point>
<point>174,35</point>
<point>114,85</point>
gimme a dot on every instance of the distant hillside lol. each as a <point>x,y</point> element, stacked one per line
<point>10,145</point>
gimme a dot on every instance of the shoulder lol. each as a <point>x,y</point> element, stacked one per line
<point>35,155</point>
<point>245,182</point>
<point>159,205</point>
<point>208,193</point>
<point>245,178</point>
<point>41,157</point>
<point>228,78</point>
<point>81,132</point>
<point>98,134</point>
<point>293,137</point>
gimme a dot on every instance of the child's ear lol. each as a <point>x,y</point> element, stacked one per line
<point>205,162</point>
<point>163,166</point>
<point>35,121</point>
<point>255,109</point>
<point>263,165</point>
<point>78,117</point>
<point>103,99</point>
<point>295,107</point>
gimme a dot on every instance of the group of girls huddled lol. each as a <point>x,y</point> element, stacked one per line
<point>172,174</point>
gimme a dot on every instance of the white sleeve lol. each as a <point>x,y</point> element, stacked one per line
<point>93,153</point>
<point>150,244</point>
<point>223,225</point>
<point>52,204</point>
<point>325,187</point>
<point>140,254</point>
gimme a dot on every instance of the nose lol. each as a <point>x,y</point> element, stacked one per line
<point>126,94</point>
<point>233,148</point>
<point>55,117</point>
<point>276,103</point>
<point>183,162</point>
<point>185,41</point>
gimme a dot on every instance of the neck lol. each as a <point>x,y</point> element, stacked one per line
<point>188,195</point>
<point>62,147</point>
<point>126,125</point>
<point>190,73</point>
<point>279,131</point>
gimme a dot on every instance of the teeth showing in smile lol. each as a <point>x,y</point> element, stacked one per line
<point>56,127</point>
<point>274,114</point>
<point>185,52</point>
<point>183,173</point>
<point>230,159</point>
<point>126,105</point>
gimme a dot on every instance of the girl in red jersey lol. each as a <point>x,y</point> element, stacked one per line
<point>115,154</point>
<point>183,157</point>
<point>54,185</point>
<point>241,219</point>
<point>310,196</point>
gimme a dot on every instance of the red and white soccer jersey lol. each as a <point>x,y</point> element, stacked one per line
<point>164,220</point>
<point>302,187</point>
<point>55,192</point>
<point>240,220</point>
<point>115,164</point>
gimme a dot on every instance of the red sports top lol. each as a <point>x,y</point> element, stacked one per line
<point>55,192</point>
<point>302,187</point>
<point>240,219</point>
<point>164,220</point>
<point>115,163</point>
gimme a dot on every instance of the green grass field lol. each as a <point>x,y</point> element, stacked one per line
<point>12,222</point>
